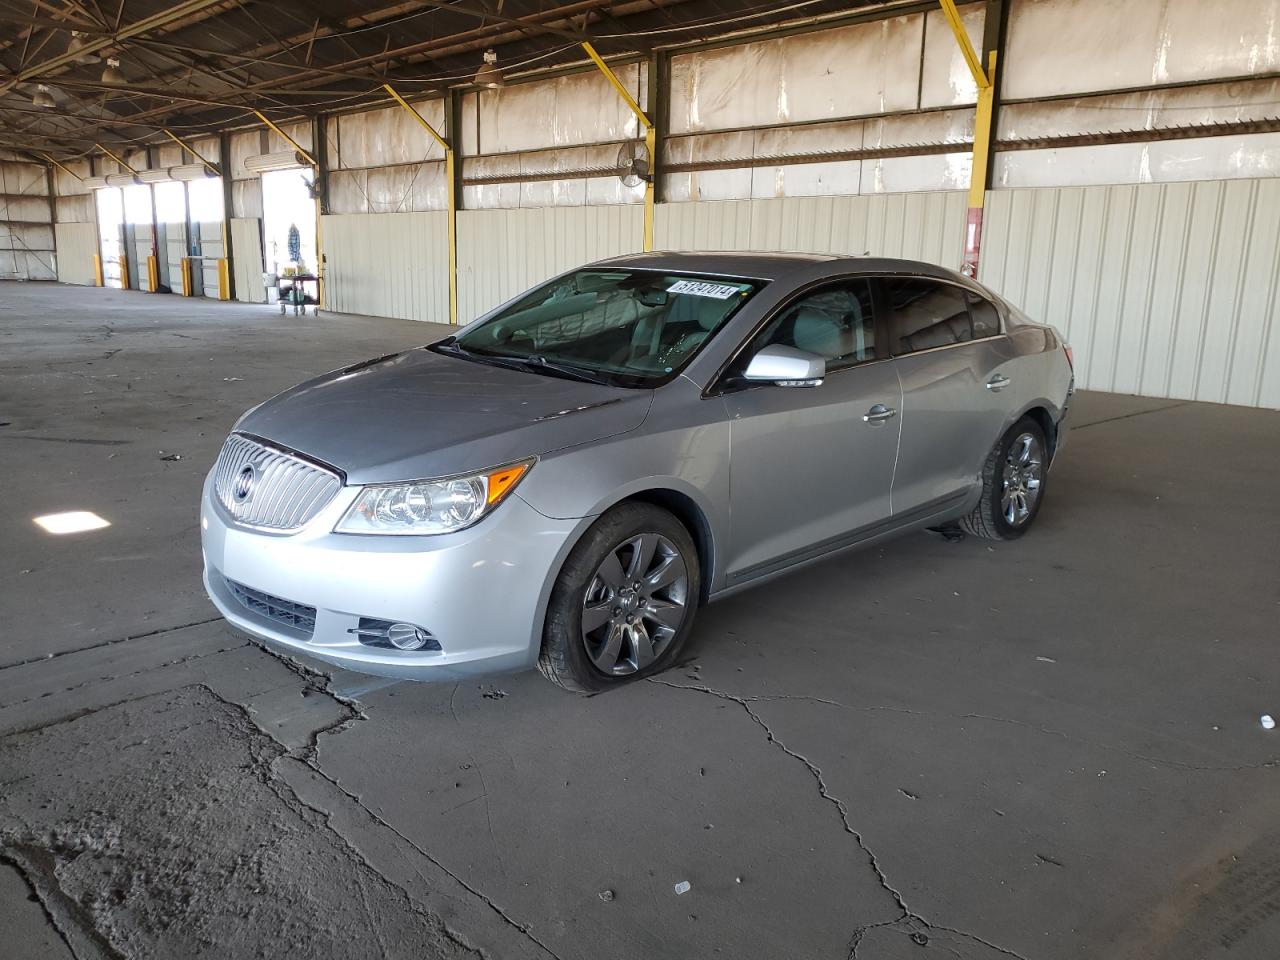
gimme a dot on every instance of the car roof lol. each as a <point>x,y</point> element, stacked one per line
<point>772,266</point>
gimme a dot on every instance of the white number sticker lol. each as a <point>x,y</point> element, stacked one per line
<point>697,288</point>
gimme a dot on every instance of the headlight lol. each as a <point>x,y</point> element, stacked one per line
<point>430,506</point>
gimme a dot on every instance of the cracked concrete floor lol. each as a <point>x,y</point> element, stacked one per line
<point>1048,749</point>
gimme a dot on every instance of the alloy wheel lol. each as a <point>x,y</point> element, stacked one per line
<point>635,604</point>
<point>1021,479</point>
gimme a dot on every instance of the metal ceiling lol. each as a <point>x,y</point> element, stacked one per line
<point>202,65</point>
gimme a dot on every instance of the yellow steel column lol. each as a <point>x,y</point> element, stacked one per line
<point>985,80</point>
<point>451,190</point>
<point>650,138</point>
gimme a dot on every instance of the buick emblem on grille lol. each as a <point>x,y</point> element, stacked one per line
<point>245,480</point>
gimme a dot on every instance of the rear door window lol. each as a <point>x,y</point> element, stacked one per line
<point>925,314</point>
<point>986,318</point>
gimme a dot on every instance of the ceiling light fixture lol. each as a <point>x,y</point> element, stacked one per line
<point>112,74</point>
<point>43,98</point>
<point>75,48</point>
<point>490,74</point>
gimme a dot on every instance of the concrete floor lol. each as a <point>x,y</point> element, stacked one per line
<point>1046,749</point>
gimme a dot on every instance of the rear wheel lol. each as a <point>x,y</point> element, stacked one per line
<point>624,601</point>
<point>1012,484</point>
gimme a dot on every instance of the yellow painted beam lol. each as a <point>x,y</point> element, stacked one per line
<point>224,278</point>
<point>153,274</point>
<point>450,189</point>
<point>71,173</point>
<point>191,150</point>
<point>116,159</point>
<point>966,47</point>
<point>444,144</point>
<point>651,143</point>
<point>97,270</point>
<point>982,139</point>
<point>617,85</point>
<point>650,138</point>
<point>287,139</point>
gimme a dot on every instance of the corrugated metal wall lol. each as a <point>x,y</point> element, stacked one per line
<point>502,252</point>
<point>387,264</point>
<point>921,226</point>
<point>1164,290</point>
<point>77,246</point>
<point>246,259</point>
<point>26,221</point>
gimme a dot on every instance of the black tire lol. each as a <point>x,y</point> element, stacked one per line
<point>988,519</point>
<point>565,658</point>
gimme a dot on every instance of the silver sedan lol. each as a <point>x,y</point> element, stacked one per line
<point>564,481</point>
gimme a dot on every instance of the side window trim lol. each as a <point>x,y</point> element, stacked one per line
<point>717,383</point>
<point>884,314</point>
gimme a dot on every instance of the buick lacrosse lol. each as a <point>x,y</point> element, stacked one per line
<point>564,481</point>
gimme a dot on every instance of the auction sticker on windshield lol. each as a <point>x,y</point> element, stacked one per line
<point>719,291</point>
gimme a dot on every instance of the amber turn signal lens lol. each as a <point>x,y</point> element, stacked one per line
<point>500,481</point>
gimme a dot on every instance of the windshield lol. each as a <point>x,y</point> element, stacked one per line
<point>622,327</point>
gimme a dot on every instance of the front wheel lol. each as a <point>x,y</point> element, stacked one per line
<point>1012,484</point>
<point>623,603</point>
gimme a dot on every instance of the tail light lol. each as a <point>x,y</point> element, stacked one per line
<point>1071,357</point>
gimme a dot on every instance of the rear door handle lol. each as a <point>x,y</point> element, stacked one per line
<point>998,382</point>
<point>879,414</point>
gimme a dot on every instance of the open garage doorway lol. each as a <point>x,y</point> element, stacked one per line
<point>139,235</point>
<point>111,237</point>
<point>171,234</point>
<point>289,231</point>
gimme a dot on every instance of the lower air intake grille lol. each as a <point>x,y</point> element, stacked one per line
<point>296,616</point>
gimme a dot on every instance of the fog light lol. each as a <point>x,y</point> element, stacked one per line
<point>405,636</point>
<point>401,636</point>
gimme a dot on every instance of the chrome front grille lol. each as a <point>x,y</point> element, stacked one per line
<point>261,486</point>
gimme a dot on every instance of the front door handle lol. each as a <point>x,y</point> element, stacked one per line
<point>998,383</point>
<point>879,414</point>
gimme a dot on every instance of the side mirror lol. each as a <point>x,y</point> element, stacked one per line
<point>786,367</point>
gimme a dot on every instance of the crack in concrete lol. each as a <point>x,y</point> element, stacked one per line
<point>36,862</point>
<point>107,643</point>
<point>1047,731</point>
<point>323,682</point>
<point>907,914</point>
<point>1130,416</point>
<point>20,868</point>
<point>487,900</point>
<point>124,676</point>
<point>297,803</point>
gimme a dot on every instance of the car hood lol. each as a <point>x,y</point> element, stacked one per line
<point>419,414</point>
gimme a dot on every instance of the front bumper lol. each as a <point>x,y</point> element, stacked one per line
<point>481,592</point>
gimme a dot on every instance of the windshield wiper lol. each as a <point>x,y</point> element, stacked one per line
<point>537,362</point>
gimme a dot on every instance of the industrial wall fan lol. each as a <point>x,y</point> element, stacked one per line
<point>633,163</point>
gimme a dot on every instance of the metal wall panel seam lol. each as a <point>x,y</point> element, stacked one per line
<point>1251,208</point>
<point>1215,236</point>
<point>1269,327</point>
<point>1152,274</point>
